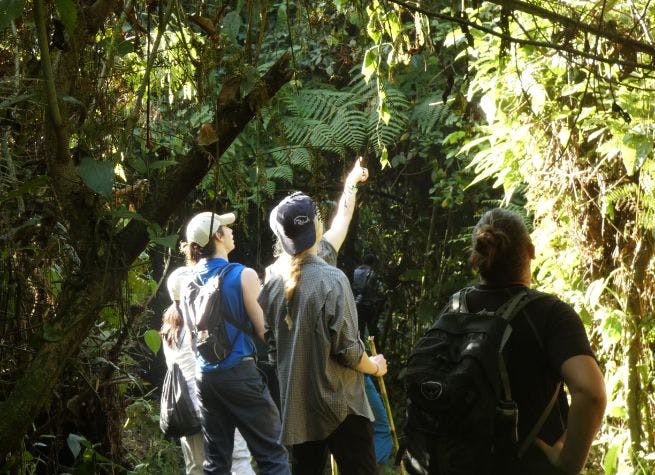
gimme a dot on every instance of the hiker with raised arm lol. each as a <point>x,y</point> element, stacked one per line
<point>311,319</point>
<point>333,238</point>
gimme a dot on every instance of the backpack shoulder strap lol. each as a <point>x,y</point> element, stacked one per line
<point>239,326</point>
<point>540,422</point>
<point>507,311</point>
<point>458,301</point>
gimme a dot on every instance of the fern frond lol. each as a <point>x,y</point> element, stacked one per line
<point>282,172</point>
<point>429,113</point>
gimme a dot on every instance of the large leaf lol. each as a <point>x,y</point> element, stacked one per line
<point>67,13</point>
<point>169,241</point>
<point>153,340</point>
<point>10,10</point>
<point>99,176</point>
<point>231,25</point>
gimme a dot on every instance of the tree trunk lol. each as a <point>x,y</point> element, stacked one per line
<point>105,256</point>
<point>643,254</point>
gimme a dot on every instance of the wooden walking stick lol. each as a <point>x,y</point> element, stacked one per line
<point>385,399</point>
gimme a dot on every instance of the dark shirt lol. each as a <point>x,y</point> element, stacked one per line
<point>546,334</point>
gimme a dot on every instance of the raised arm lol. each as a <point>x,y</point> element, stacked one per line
<point>338,230</point>
<point>585,383</point>
<point>250,287</point>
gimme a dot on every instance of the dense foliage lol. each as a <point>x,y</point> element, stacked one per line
<point>120,119</point>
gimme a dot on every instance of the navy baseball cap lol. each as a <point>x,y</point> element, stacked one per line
<point>292,220</point>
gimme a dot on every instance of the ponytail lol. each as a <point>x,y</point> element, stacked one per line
<point>291,283</point>
<point>171,324</point>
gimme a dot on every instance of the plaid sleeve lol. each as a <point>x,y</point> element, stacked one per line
<point>341,315</point>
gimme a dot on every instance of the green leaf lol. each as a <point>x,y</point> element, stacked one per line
<point>123,47</point>
<point>384,113</point>
<point>124,213</point>
<point>67,13</point>
<point>27,187</point>
<point>370,64</point>
<point>384,157</point>
<point>10,10</point>
<point>99,176</point>
<point>153,340</point>
<point>629,156</point>
<point>138,164</point>
<point>15,99</point>
<point>72,100</point>
<point>231,25</point>
<point>74,444</point>
<point>159,164</point>
<point>611,461</point>
<point>411,275</point>
<point>372,28</point>
<point>169,241</point>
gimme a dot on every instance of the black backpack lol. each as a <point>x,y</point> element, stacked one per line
<point>461,418</point>
<point>206,315</point>
<point>364,286</point>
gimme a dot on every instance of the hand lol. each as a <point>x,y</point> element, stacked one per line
<point>381,363</point>
<point>552,452</point>
<point>358,174</point>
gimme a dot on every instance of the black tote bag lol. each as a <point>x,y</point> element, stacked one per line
<point>177,416</point>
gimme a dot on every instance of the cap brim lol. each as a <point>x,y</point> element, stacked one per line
<point>227,218</point>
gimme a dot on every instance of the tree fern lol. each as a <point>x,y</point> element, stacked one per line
<point>428,114</point>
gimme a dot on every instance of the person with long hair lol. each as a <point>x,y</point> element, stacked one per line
<point>177,349</point>
<point>548,345</point>
<point>232,393</point>
<point>311,321</point>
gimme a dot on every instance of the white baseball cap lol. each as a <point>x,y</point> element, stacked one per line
<point>201,226</point>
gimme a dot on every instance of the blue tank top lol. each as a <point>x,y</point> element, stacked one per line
<point>243,345</point>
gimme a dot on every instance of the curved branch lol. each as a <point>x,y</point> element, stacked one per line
<point>578,25</point>
<point>232,116</point>
<point>529,42</point>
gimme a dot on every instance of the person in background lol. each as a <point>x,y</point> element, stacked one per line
<point>232,393</point>
<point>548,344</point>
<point>367,290</point>
<point>178,349</point>
<point>368,293</point>
<point>311,323</point>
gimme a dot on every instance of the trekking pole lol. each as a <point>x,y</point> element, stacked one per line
<point>385,400</point>
<point>333,465</point>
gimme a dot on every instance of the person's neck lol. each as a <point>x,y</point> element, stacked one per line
<point>220,252</point>
<point>510,283</point>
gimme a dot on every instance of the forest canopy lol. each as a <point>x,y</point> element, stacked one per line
<point>120,119</point>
